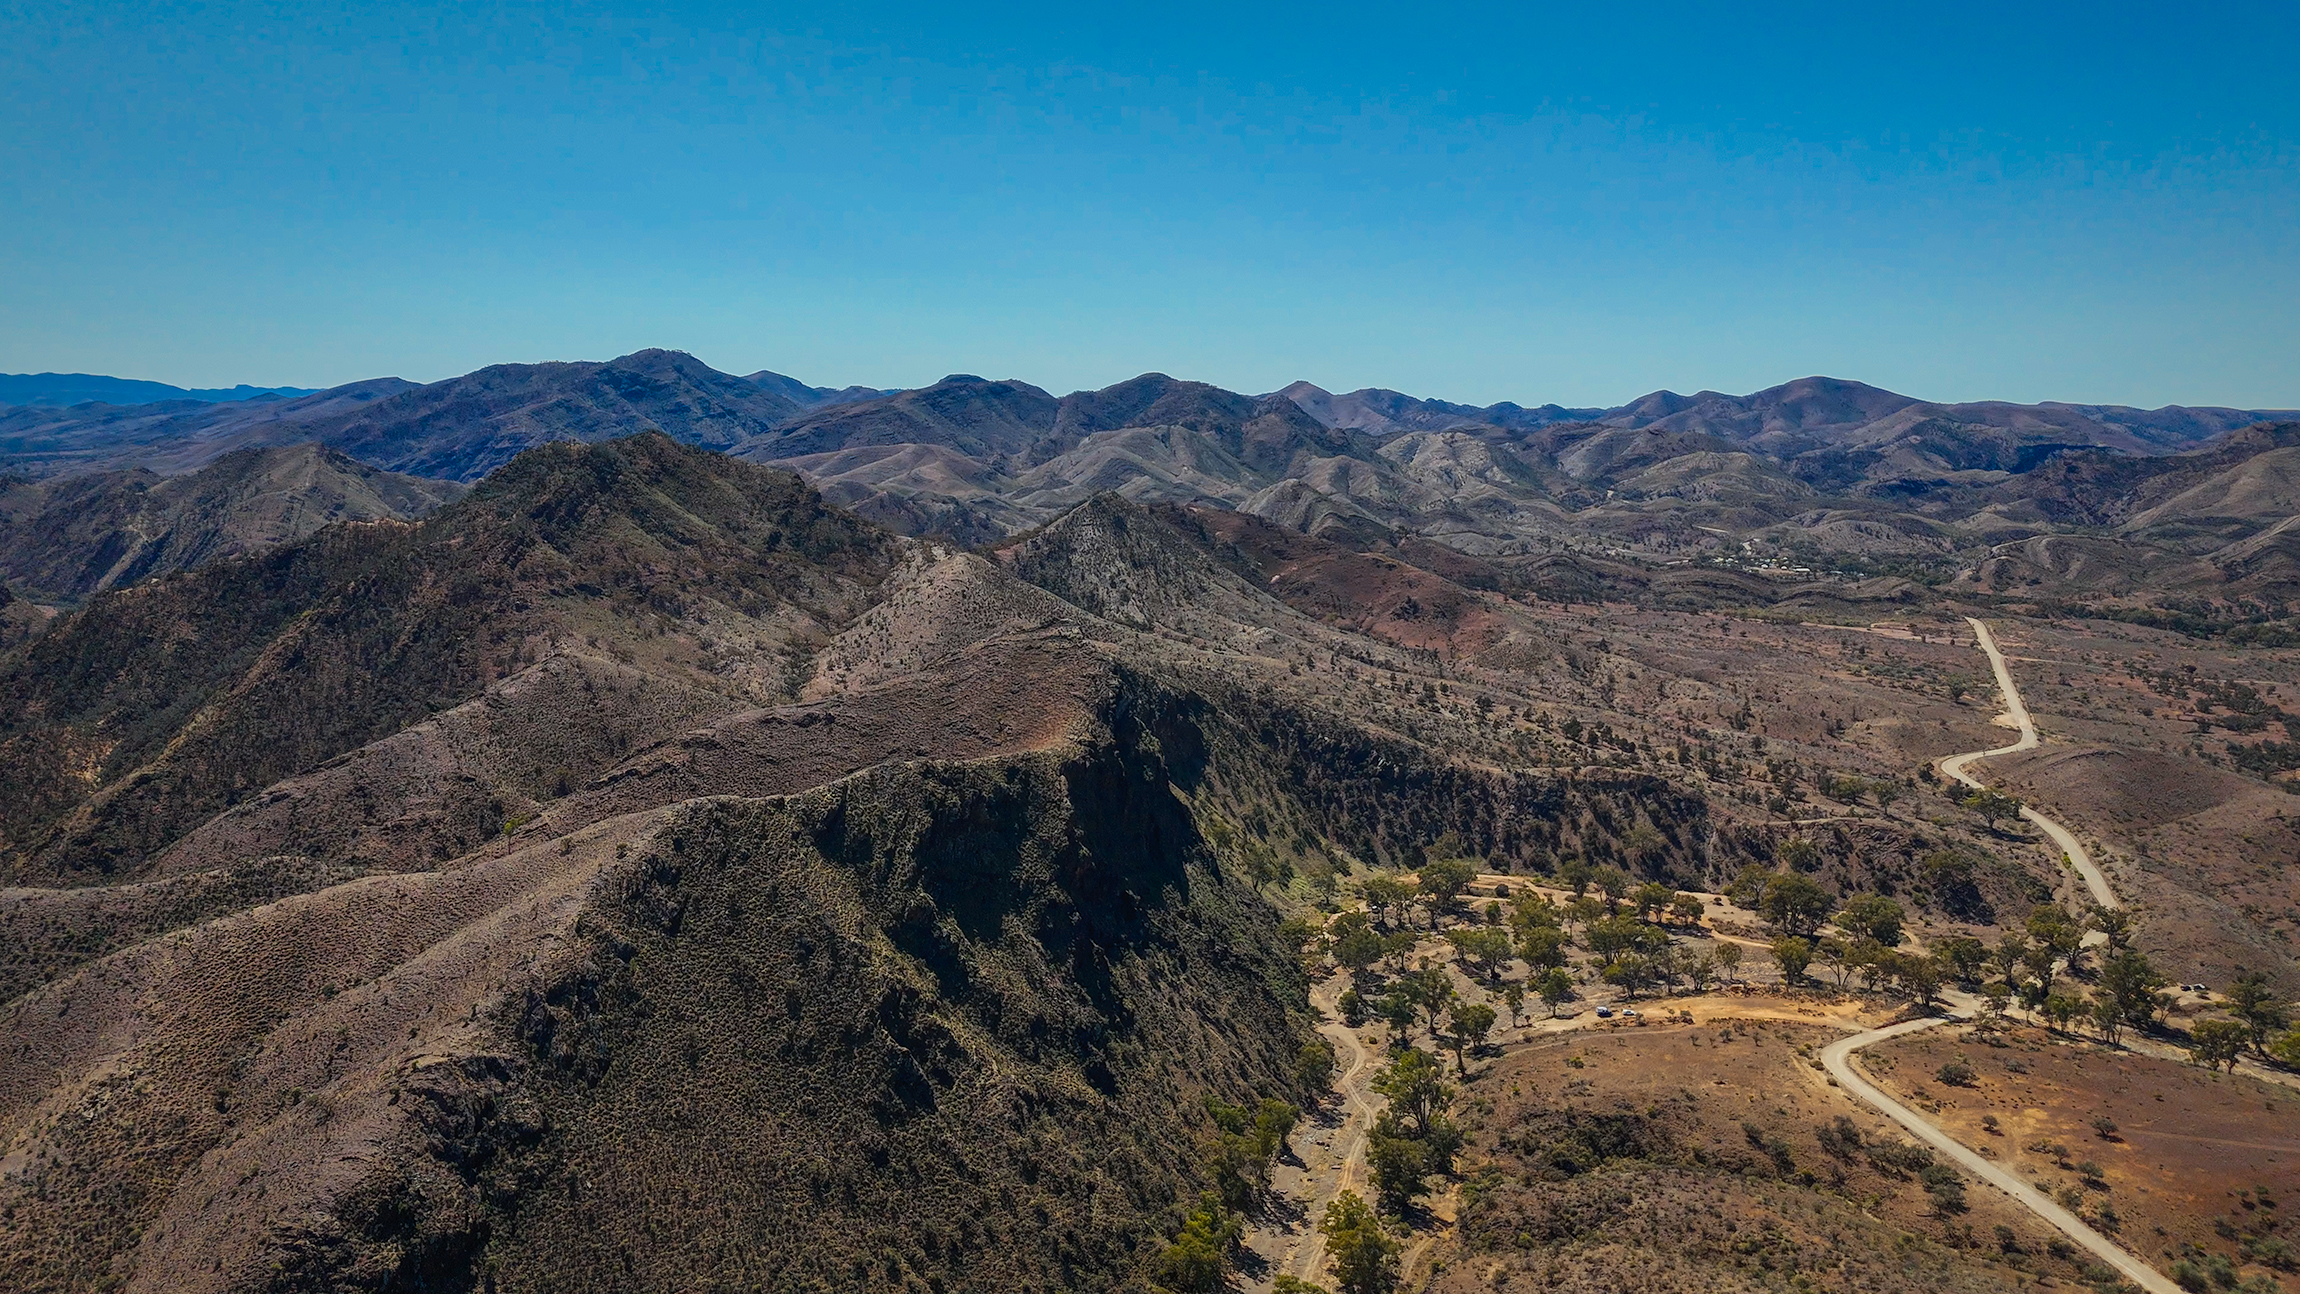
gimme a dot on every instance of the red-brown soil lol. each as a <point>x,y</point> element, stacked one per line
<point>2196,1159</point>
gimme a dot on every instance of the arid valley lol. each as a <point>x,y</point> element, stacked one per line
<point>628,826</point>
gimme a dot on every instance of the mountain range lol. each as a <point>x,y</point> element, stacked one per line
<point>635,870</point>
<point>66,389</point>
<point>1819,473</point>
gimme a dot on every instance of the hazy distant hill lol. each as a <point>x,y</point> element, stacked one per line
<point>458,429</point>
<point>68,537</point>
<point>465,427</point>
<point>1388,413</point>
<point>814,397</point>
<point>171,436</point>
<point>1819,463</point>
<point>64,389</point>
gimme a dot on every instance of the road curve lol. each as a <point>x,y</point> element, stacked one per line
<point>1837,1057</point>
<point>1954,766</point>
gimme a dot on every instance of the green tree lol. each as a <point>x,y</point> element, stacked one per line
<point>1441,885</point>
<point>1793,904</point>
<point>1432,990</point>
<point>1792,955</point>
<point>1870,960</point>
<point>1470,1024</point>
<point>1577,875</point>
<point>1919,976</point>
<point>1556,989</point>
<point>1991,805</point>
<point>1356,946</point>
<point>1386,895</point>
<point>1966,956</point>
<point>1365,1258</point>
<point>1613,883</point>
<point>1314,1066</point>
<point>2116,923</point>
<point>1612,937</point>
<point>2037,964</point>
<point>1397,946</point>
<point>1872,916</point>
<point>2130,983</point>
<point>1651,900</point>
<point>1533,911</point>
<point>1687,909</point>
<point>1198,1259</point>
<point>2010,955</point>
<point>2213,1043</point>
<point>2061,1008</point>
<point>2251,1000</point>
<point>1701,971</point>
<point>1274,1121</point>
<point>1514,996</point>
<point>1415,1084</point>
<point>1483,948</point>
<point>1997,994</point>
<point>1586,909</point>
<point>1631,972</point>
<point>1729,961</point>
<point>1397,1009</point>
<point>1748,887</point>
<point>1800,854</point>
<point>1399,1166</point>
<point>1835,956</point>
<point>1542,947</point>
<point>2055,929</point>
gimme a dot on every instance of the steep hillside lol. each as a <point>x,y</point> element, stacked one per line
<point>68,537</point>
<point>152,708</point>
<point>942,1022</point>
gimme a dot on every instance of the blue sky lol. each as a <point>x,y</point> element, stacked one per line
<point>2094,202</point>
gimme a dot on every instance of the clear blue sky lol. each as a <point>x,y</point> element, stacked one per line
<point>2096,202</point>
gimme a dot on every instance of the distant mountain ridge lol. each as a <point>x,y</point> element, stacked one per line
<point>61,390</point>
<point>1818,461</point>
<point>73,536</point>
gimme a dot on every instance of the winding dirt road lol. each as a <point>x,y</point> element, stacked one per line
<point>1339,1163</point>
<point>1837,1056</point>
<point>1330,1165</point>
<point>1954,766</point>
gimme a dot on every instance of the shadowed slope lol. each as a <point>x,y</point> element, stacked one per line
<point>151,709</point>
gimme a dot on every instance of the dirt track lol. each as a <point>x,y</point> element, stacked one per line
<point>1837,1056</point>
<point>1332,1164</point>
<point>1954,766</point>
<point>1295,1247</point>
